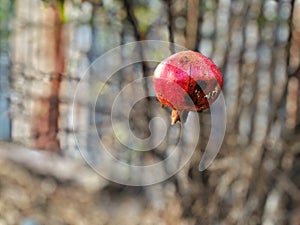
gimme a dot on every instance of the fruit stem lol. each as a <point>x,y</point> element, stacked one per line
<point>178,116</point>
<point>175,117</point>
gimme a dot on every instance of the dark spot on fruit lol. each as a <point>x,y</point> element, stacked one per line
<point>188,100</point>
<point>198,91</point>
<point>196,96</point>
<point>184,59</point>
<point>202,84</point>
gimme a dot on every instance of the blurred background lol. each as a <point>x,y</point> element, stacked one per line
<point>46,48</point>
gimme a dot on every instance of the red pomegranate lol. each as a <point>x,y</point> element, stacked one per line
<point>187,81</point>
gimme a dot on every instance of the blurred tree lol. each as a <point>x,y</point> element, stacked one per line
<point>6,12</point>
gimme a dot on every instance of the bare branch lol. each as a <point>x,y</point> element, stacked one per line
<point>51,164</point>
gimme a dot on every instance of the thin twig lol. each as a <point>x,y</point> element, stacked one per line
<point>132,19</point>
<point>171,26</point>
<point>50,164</point>
<point>200,21</point>
<point>192,23</point>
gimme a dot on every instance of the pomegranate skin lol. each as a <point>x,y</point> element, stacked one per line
<point>187,81</point>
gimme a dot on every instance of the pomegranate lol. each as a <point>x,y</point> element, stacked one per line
<point>187,81</point>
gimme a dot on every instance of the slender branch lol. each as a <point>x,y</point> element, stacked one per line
<point>132,19</point>
<point>192,23</point>
<point>171,26</point>
<point>199,23</point>
<point>49,164</point>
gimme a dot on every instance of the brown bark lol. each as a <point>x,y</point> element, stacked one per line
<point>46,129</point>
